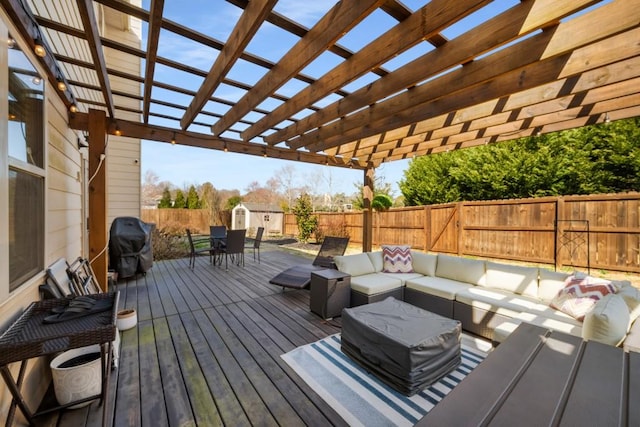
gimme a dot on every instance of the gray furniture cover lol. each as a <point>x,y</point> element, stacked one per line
<point>130,249</point>
<point>405,346</point>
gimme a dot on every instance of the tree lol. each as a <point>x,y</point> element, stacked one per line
<point>381,202</point>
<point>306,221</point>
<point>233,201</point>
<point>193,202</point>
<point>165,201</point>
<point>380,187</point>
<point>179,202</point>
<point>595,159</point>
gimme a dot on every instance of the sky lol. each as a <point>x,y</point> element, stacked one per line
<point>183,166</point>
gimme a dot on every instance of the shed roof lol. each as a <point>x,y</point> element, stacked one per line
<point>262,207</point>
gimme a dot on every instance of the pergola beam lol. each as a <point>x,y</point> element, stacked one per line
<point>132,129</point>
<point>155,21</point>
<point>339,20</point>
<point>85,7</point>
<point>422,24</point>
<point>242,33</point>
<point>520,20</point>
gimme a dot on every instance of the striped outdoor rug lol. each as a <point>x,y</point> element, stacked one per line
<point>360,398</point>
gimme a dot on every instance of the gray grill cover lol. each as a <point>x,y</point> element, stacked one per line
<point>130,249</point>
<point>405,346</point>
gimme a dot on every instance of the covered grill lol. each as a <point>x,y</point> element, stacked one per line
<point>130,249</point>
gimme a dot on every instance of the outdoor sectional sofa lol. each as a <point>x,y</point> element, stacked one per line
<point>491,299</point>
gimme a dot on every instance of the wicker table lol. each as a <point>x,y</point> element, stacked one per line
<point>29,337</point>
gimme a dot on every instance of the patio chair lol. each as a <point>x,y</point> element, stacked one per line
<point>218,235</point>
<point>256,243</point>
<point>299,276</point>
<point>194,251</point>
<point>234,247</point>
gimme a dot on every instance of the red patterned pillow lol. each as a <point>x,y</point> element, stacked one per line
<point>396,259</point>
<point>580,294</point>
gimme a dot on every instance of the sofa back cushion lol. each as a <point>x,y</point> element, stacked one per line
<point>550,283</point>
<point>608,321</point>
<point>513,278</point>
<point>376,260</point>
<point>461,269</point>
<point>631,296</point>
<point>355,265</point>
<point>424,263</point>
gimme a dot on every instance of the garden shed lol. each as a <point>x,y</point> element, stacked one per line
<point>254,215</point>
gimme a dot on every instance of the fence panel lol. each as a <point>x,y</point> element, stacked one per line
<point>614,230</point>
<point>402,226</point>
<point>197,220</point>
<point>443,228</point>
<point>520,230</point>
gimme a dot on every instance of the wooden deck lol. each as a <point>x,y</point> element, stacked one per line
<point>206,350</point>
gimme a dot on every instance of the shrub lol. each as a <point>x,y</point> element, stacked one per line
<point>306,221</point>
<point>169,242</point>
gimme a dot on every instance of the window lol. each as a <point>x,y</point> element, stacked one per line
<point>26,174</point>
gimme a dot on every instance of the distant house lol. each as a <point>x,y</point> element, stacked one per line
<point>254,215</point>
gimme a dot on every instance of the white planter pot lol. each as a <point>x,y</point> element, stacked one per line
<point>126,319</point>
<point>76,382</point>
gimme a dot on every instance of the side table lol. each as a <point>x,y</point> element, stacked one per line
<point>29,337</point>
<point>330,292</point>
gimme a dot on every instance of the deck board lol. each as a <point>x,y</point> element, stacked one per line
<point>206,350</point>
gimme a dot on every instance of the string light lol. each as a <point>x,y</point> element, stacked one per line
<point>225,147</point>
<point>73,108</point>
<point>11,42</point>
<point>173,139</point>
<point>118,132</point>
<point>61,86</point>
<point>38,47</point>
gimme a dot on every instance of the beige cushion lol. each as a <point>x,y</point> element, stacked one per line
<point>494,300</point>
<point>551,282</point>
<point>608,321</point>
<point>461,269</point>
<point>566,324</point>
<point>374,283</point>
<point>424,263</point>
<point>376,260</point>
<point>355,265</point>
<point>404,276</point>
<point>632,341</point>
<point>631,296</point>
<point>443,288</point>
<point>514,278</point>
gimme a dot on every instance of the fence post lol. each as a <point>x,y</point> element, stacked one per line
<point>427,228</point>
<point>460,226</point>
<point>560,215</point>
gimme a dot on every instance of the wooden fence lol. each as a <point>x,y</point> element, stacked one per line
<point>596,231</point>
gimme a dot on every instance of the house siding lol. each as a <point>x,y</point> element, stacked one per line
<point>66,186</point>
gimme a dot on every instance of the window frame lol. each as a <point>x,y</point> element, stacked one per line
<point>8,163</point>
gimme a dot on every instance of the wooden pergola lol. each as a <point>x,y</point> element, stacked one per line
<point>538,66</point>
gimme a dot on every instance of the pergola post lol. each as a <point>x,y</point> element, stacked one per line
<point>367,213</point>
<point>97,220</point>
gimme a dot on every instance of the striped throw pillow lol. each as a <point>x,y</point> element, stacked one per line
<point>580,294</point>
<point>396,259</point>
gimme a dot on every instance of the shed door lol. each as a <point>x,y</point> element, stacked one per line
<point>240,219</point>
